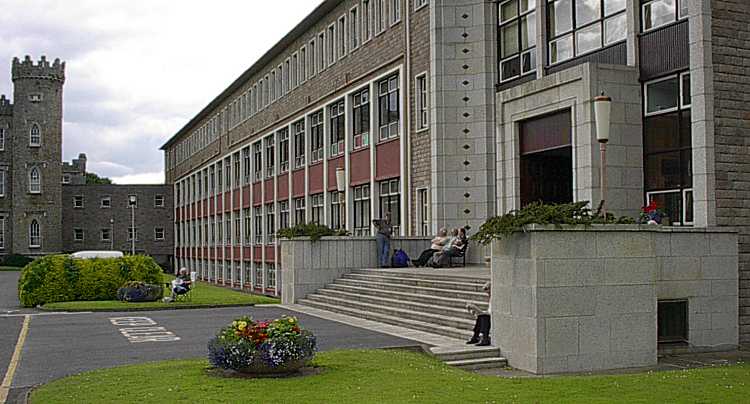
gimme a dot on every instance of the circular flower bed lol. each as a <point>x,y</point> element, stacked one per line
<point>266,347</point>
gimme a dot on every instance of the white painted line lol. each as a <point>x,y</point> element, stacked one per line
<point>14,361</point>
<point>142,329</point>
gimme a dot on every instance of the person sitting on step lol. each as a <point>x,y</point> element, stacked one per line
<point>482,324</point>
<point>437,244</point>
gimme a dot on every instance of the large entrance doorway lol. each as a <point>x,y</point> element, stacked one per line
<point>547,159</point>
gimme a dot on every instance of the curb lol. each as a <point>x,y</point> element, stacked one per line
<point>136,309</point>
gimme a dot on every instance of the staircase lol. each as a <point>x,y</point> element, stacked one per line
<point>423,300</point>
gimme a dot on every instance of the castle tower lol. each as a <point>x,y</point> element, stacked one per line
<point>6,161</point>
<point>36,169</point>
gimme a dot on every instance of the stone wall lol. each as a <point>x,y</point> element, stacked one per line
<point>730,40</point>
<point>583,300</point>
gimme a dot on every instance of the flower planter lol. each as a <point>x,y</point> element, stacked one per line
<point>137,292</point>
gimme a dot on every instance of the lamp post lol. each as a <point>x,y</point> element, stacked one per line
<point>132,201</point>
<point>112,234</point>
<point>341,188</point>
<point>602,114</point>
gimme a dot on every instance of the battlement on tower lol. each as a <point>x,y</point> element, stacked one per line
<point>6,108</point>
<point>27,69</point>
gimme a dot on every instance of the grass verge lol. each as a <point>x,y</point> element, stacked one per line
<point>390,377</point>
<point>10,269</point>
<point>203,296</point>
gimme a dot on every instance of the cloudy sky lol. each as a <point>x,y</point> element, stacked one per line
<point>137,71</point>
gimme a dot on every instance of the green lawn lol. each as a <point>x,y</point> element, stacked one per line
<point>203,295</point>
<point>10,269</point>
<point>390,377</point>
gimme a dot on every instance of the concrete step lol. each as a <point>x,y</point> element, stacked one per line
<point>411,297</point>
<point>453,294</point>
<point>398,303</point>
<point>448,284</point>
<point>376,307</point>
<point>387,319</point>
<point>437,275</point>
<point>481,363</point>
<point>464,352</point>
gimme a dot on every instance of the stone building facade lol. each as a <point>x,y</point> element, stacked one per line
<point>37,189</point>
<point>504,118</point>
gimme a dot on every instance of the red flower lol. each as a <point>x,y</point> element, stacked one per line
<point>650,208</point>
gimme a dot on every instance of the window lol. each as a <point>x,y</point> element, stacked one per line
<point>246,167</point>
<point>284,150</point>
<point>362,210</point>
<point>237,172</point>
<point>77,234</point>
<point>667,147</point>
<point>380,16</point>
<point>78,202</point>
<point>228,173</point>
<point>361,118</point>
<point>420,3</point>
<point>321,52</point>
<point>341,38</point>
<point>2,232</point>
<point>293,72</point>
<point>287,76</point>
<point>517,35</point>
<point>258,160</point>
<point>657,13</point>
<point>35,136</point>
<point>105,235</point>
<point>272,87</point>
<point>283,214</point>
<point>312,49</point>
<point>337,131</point>
<point>259,276</point>
<point>316,201</point>
<point>237,229</point>
<point>219,178</point>
<point>390,202</point>
<point>299,211</point>
<point>302,70</point>
<point>338,210</point>
<point>35,181</point>
<point>331,45</point>
<point>132,232</point>
<point>159,201</point>
<point>35,234</point>
<point>366,20</point>
<point>577,27</point>
<point>354,28</point>
<point>212,180</point>
<point>258,225</point>
<point>219,231</point>
<point>271,276</point>
<point>316,136</point>
<point>388,104</point>
<point>280,91</point>
<point>270,224</point>
<point>105,202</point>
<point>227,229</point>
<point>270,156</point>
<point>395,8</point>
<point>248,230</point>
<point>423,116</point>
<point>299,143</point>
<point>423,204</point>
<point>2,183</point>
<point>66,179</point>
<point>2,139</point>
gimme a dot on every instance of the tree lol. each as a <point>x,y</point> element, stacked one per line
<point>93,179</point>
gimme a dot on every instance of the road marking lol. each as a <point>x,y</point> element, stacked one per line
<point>14,360</point>
<point>54,313</point>
<point>142,329</point>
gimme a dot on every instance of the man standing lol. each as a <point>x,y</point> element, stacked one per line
<point>383,237</point>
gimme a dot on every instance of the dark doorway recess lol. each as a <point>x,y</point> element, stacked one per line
<point>672,321</point>
<point>547,159</point>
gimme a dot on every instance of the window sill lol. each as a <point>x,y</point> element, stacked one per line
<point>390,139</point>
<point>422,130</point>
<point>421,7</point>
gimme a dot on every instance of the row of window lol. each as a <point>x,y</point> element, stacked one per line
<point>34,184</point>
<point>343,36</point>
<point>226,270</point>
<point>105,202</point>
<point>261,222</point>
<point>574,28</point>
<point>305,137</point>
<point>105,235</point>
<point>35,136</point>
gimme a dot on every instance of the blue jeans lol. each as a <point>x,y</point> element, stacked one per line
<point>384,249</point>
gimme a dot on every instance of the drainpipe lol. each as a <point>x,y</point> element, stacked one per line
<point>407,116</point>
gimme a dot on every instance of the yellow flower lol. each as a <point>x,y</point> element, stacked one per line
<point>242,325</point>
<point>291,320</point>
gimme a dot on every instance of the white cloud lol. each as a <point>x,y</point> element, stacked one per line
<point>138,71</point>
<point>142,178</point>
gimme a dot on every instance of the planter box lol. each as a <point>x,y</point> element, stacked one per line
<point>583,299</point>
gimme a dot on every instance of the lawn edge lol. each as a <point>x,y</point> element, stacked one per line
<point>136,309</point>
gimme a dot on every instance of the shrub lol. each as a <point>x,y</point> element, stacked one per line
<point>312,230</point>
<point>276,346</point>
<point>59,278</point>
<point>572,214</point>
<point>139,292</point>
<point>16,261</point>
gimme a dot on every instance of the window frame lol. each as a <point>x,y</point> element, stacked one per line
<point>2,139</point>
<point>108,232</point>
<point>317,130</point>
<point>355,32</point>
<point>386,97</point>
<point>336,128</point>
<point>109,202</point>
<point>76,200</point>
<point>35,132</point>
<point>678,17</point>
<point>76,232</point>
<point>390,198</point>
<point>363,136</point>
<point>421,101</point>
<point>521,53</point>
<point>35,183</point>
<point>420,4</point>
<point>156,201</point>
<point>3,180</point>
<point>362,204</point>
<point>283,139</point>
<point>300,142</point>
<point>35,234</point>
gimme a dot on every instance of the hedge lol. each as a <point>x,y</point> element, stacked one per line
<point>16,261</point>
<point>60,278</point>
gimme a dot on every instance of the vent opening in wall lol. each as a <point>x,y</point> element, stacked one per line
<point>672,321</point>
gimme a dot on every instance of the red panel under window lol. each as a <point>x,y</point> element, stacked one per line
<point>546,133</point>
<point>332,166</point>
<point>388,163</point>
<point>248,252</point>
<point>237,252</point>
<point>227,201</point>
<point>359,164</point>
<point>316,178</point>
<point>211,205</point>
<point>283,187</point>
<point>227,252</point>
<point>270,251</point>
<point>298,183</point>
<point>258,257</point>
<point>268,187</point>
<point>257,197</point>
<point>245,197</point>
<point>219,204</point>
<point>236,197</point>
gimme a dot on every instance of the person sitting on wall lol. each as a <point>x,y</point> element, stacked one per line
<point>436,245</point>
<point>459,244</point>
<point>181,285</point>
<point>383,238</point>
<point>482,324</point>
<point>442,257</point>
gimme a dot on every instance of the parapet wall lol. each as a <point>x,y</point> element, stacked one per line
<point>26,69</point>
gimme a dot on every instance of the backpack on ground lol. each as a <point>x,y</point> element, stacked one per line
<point>400,259</point>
